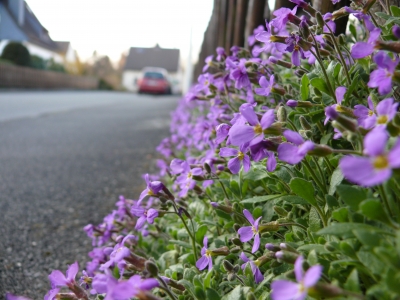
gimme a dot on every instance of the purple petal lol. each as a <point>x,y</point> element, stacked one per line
<point>210,264</point>
<point>271,162</point>
<point>121,253</point>
<point>197,171</point>
<point>240,134</point>
<point>293,137</point>
<point>244,257</point>
<point>151,215</point>
<point>394,155</point>
<point>263,82</point>
<point>284,290</point>
<point>256,244</point>
<point>248,216</point>
<point>263,37</point>
<point>375,141</point>
<point>51,295</point>
<point>205,241</point>
<point>13,297</point>
<point>148,284</point>
<point>298,268</point>
<point>385,107</point>
<point>246,163</point>
<point>374,35</point>
<point>234,165</point>
<point>296,58</point>
<point>267,119</point>
<point>72,271</point>
<point>202,263</point>
<point>312,276</point>
<point>305,147</point>
<point>361,49</point>
<point>245,233</point>
<point>57,279</point>
<point>247,111</point>
<point>140,222</point>
<point>340,91</point>
<point>287,152</point>
<point>228,152</point>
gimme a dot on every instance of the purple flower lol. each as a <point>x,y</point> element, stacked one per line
<point>221,55</point>
<point>288,290</point>
<point>144,215</point>
<point>382,77</point>
<point>205,259</point>
<point>222,131</point>
<point>58,279</point>
<point>153,188</point>
<point>363,49</point>
<point>283,15</point>
<point>239,75</point>
<point>259,151</point>
<point>248,232</point>
<point>385,112</point>
<point>240,133</point>
<point>258,276</point>
<point>118,253</point>
<point>294,151</point>
<point>377,166</point>
<point>339,93</point>
<point>396,31</point>
<point>270,42</point>
<point>266,86</point>
<point>293,46</point>
<point>185,179</point>
<point>252,39</point>
<point>240,156</point>
<point>208,62</point>
<point>52,294</point>
<point>292,103</point>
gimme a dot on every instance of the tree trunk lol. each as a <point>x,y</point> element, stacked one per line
<point>240,22</point>
<point>255,17</point>
<point>229,25</point>
<point>285,3</point>
<point>325,6</point>
<point>222,23</point>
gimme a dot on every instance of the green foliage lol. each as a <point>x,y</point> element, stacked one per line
<point>17,54</point>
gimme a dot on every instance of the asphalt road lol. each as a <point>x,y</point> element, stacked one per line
<point>65,157</point>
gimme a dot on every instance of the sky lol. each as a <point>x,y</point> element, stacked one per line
<point>112,27</point>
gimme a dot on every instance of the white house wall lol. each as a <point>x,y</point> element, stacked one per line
<point>43,53</point>
<point>128,80</point>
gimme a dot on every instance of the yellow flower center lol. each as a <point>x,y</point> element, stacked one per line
<point>206,82</point>
<point>381,162</point>
<point>240,155</point>
<point>296,48</point>
<point>208,252</point>
<point>189,175</point>
<point>382,119</point>
<point>370,113</point>
<point>339,108</point>
<point>150,193</point>
<point>254,229</point>
<point>258,129</point>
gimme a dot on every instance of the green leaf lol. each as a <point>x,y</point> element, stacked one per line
<point>352,284</point>
<point>304,90</point>
<point>212,294</point>
<point>372,209</point>
<point>255,175</point>
<point>238,293</point>
<point>395,10</point>
<point>207,280</point>
<point>336,179</point>
<point>304,189</point>
<point>352,196</point>
<point>345,230</point>
<point>367,237</point>
<point>314,221</point>
<point>355,82</point>
<point>260,199</point>
<point>234,187</point>
<point>326,138</point>
<point>331,201</point>
<point>180,243</point>
<point>337,69</point>
<point>319,249</point>
<point>293,200</point>
<point>341,215</point>
<point>353,30</point>
<point>320,84</point>
<point>382,15</point>
<point>199,292</point>
<point>200,233</point>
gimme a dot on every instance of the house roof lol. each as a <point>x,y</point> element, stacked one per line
<point>31,30</point>
<point>139,58</point>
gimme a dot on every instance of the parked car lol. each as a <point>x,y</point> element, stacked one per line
<point>154,80</point>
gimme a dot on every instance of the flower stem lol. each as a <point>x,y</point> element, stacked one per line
<point>293,224</point>
<point>314,176</point>
<point>346,151</point>
<point>166,288</point>
<point>328,165</point>
<point>385,200</point>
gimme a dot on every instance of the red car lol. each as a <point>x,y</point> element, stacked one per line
<point>154,80</point>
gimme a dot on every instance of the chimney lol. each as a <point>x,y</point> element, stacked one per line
<point>17,8</point>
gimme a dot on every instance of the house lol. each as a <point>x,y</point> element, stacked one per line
<point>139,58</point>
<point>18,23</point>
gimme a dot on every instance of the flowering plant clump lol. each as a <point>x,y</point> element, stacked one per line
<point>280,179</point>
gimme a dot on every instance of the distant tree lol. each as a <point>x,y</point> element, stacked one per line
<point>37,62</point>
<point>16,53</point>
<point>54,66</point>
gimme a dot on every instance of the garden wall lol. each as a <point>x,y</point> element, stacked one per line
<point>22,77</point>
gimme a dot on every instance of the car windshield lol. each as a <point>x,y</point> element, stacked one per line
<point>153,75</point>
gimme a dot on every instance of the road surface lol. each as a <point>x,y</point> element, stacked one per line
<point>65,157</point>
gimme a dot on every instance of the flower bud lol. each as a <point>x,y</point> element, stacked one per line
<point>270,226</point>
<point>320,150</point>
<point>304,45</point>
<point>337,14</point>
<point>207,168</point>
<point>236,227</point>
<point>231,277</point>
<point>236,249</point>
<point>307,134</point>
<point>274,129</point>
<point>138,262</point>
<point>320,20</point>
<point>228,266</point>
<point>299,73</point>
<point>389,46</point>
<point>286,256</point>
<point>236,241</point>
<point>223,251</point>
<point>279,62</point>
<point>304,123</point>
<point>152,268</point>
<point>278,39</point>
<point>396,119</point>
<point>396,31</point>
<point>325,290</point>
<point>278,90</point>
<point>342,40</point>
<point>347,123</point>
<point>281,114</point>
<point>66,296</point>
<point>287,247</point>
<point>236,268</point>
<point>272,247</point>
<point>280,211</point>
<point>224,208</point>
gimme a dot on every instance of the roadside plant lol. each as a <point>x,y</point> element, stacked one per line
<point>287,186</point>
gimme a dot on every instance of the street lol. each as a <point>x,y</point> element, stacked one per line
<point>65,157</point>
